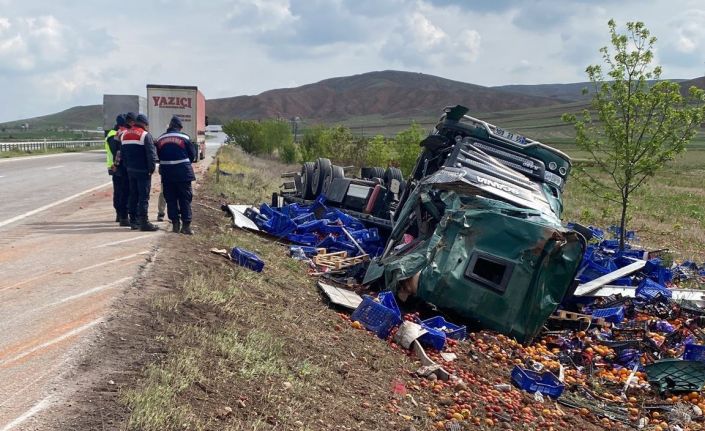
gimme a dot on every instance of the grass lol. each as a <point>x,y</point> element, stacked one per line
<point>667,212</point>
<point>250,350</point>
<point>24,153</point>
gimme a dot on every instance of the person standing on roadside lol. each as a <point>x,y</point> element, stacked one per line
<point>176,152</point>
<point>140,158</point>
<point>121,184</point>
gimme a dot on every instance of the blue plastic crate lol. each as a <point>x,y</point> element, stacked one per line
<point>304,239</point>
<point>649,289</point>
<point>694,352</point>
<point>612,314</point>
<point>531,381</point>
<point>376,317</point>
<point>386,298</point>
<point>247,259</point>
<point>433,338</point>
<point>451,330</point>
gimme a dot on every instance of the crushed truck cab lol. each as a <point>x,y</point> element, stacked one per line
<point>478,232</point>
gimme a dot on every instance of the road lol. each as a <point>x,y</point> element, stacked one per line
<point>63,260</point>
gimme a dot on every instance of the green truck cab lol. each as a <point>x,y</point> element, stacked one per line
<point>478,232</point>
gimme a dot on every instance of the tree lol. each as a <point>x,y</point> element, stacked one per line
<point>637,122</point>
<point>246,134</point>
<point>407,147</point>
<point>379,152</point>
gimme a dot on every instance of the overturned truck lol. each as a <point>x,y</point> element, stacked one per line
<point>476,229</point>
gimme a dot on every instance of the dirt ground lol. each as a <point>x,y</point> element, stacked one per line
<point>197,343</point>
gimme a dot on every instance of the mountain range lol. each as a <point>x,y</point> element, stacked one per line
<point>382,96</point>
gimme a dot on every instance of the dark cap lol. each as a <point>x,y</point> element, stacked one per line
<point>120,120</point>
<point>130,116</point>
<point>142,119</point>
<point>175,123</point>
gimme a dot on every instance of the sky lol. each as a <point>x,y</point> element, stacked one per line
<point>55,55</point>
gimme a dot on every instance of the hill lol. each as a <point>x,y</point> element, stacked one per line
<point>88,117</point>
<point>697,82</point>
<point>572,92</point>
<point>386,94</point>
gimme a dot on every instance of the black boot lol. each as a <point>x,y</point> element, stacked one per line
<point>176,226</point>
<point>146,226</point>
<point>124,222</point>
<point>160,217</point>
<point>134,224</point>
<point>117,217</point>
<point>186,228</point>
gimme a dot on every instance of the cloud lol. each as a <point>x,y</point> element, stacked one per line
<point>420,42</point>
<point>42,44</point>
<point>685,47</point>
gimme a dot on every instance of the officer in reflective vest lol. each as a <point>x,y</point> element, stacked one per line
<point>140,158</point>
<point>110,154</point>
<point>121,184</point>
<point>176,152</point>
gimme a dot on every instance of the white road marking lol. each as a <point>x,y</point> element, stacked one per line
<point>114,227</point>
<point>87,292</point>
<point>51,205</point>
<point>129,256</point>
<point>19,159</point>
<point>124,240</point>
<point>58,339</point>
<point>54,167</point>
<point>41,405</point>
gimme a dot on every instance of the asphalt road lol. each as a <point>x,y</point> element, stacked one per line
<point>63,260</point>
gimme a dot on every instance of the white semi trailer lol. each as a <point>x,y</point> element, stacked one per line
<point>187,103</point>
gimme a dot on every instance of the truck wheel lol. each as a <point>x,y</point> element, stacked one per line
<point>369,173</point>
<point>307,180</point>
<point>322,168</point>
<point>392,174</point>
<point>336,172</point>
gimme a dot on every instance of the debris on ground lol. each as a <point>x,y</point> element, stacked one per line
<point>490,279</point>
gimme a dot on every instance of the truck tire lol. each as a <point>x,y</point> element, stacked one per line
<point>321,168</point>
<point>335,172</point>
<point>392,174</point>
<point>375,172</point>
<point>307,180</point>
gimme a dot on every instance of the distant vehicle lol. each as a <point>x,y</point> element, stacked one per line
<point>214,128</point>
<point>116,104</point>
<point>187,103</point>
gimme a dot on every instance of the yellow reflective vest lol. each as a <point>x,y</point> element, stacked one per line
<point>108,153</point>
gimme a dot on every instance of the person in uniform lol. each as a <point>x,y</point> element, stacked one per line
<point>176,153</point>
<point>112,148</point>
<point>140,157</point>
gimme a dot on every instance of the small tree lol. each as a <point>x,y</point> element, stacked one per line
<point>246,134</point>
<point>641,122</point>
<point>407,148</point>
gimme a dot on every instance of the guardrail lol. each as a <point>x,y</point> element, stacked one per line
<point>47,145</point>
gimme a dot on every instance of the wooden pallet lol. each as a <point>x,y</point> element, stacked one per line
<point>563,319</point>
<point>339,260</point>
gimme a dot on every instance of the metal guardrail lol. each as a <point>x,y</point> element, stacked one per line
<point>47,145</point>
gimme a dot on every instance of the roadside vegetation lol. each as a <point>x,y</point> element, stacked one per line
<point>248,350</point>
<point>15,135</point>
<point>23,153</point>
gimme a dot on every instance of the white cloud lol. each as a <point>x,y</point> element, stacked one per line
<point>233,47</point>
<point>40,44</point>
<point>418,41</point>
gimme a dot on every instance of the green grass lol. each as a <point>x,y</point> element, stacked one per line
<point>667,212</point>
<point>24,153</point>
